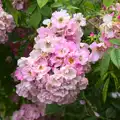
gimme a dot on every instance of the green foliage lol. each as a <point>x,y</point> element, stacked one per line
<point>104,63</point>
<point>108,3</point>
<point>105,90</point>
<point>42,3</point>
<point>115,41</point>
<point>115,57</point>
<point>54,108</point>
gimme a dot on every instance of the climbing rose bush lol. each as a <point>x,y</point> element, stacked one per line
<point>111,25</point>
<point>6,25</point>
<point>28,112</point>
<point>55,70</point>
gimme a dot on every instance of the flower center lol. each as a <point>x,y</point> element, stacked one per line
<point>60,19</point>
<point>71,60</point>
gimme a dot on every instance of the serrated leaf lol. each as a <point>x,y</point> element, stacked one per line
<point>54,108</point>
<point>115,80</point>
<point>35,18</point>
<point>105,90</point>
<point>42,3</point>
<point>108,3</point>
<point>115,41</point>
<point>104,64</point>
<point>115,57</point>
<point>110,113</point>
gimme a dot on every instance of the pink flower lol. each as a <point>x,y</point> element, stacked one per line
<point>60,19</point>
<point>83,56</point>
<point>68,72</point>
<point>118,7</point>
<point>18,74</point>
<point>92,34</point>
<point>28,73</point>
<point>44,32</point>
<point>97,51</point>
<point>73,32</point>
<point>80,19</point>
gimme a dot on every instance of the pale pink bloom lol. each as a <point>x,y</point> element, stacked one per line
<point>68,72</point>
<point>83,56</point>
<point>80,69</point>
<point>44,32</point>
<point>41,69</point>
<point>118,7</point>
<point>97,51</point>
<point>47,44</point>
<point>23,61</point>
<point>71,59</point>
<point>34,54</point>
<point>61,50</point>
<point>56,80</point>
<point>18,4</point>
<point>2,25</point>
<point>80,19</point>
<point>56,61</point>
<point>73,32</point>
<point>28,73</point>
<point>18,74</point>
<point>60,19</point>
<point>83,83</point>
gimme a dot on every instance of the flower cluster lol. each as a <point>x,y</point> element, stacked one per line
<point>6,25</point>
<point>55,70</point>
<point>110,28</point>
<point>19,4</point>
<point>28,112</point>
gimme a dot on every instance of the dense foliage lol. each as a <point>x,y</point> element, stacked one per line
<point>90,72</point>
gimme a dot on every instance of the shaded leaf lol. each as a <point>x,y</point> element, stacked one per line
<point>42,3</point>
<point>104,63</point>
<point>54,108</point>
<point>35,18</point>
<point>115,57</point>
<point>105,90</point>
<point>110,113</point>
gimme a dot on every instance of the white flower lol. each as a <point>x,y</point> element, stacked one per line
<point>97,114</point>
<point>107,18</point>
<point>79,18</point>
<point>46,22</point>
<point>114,95</point>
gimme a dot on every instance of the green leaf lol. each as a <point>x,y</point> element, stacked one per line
<point>31,8</point>
<point>110,113</point>
<point>35,18</point>
<point>42,3</point>
<point>104,63</point>
<point>115,41</point>
<point>90,118</point>
<point>46,11</point>
<point>56,5</point>
<point>105,90</point>
<point>115,80</point>
<point>108,3</point>
<point>100,81</point>
<point>54,108</point>
<point>115,57</point>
